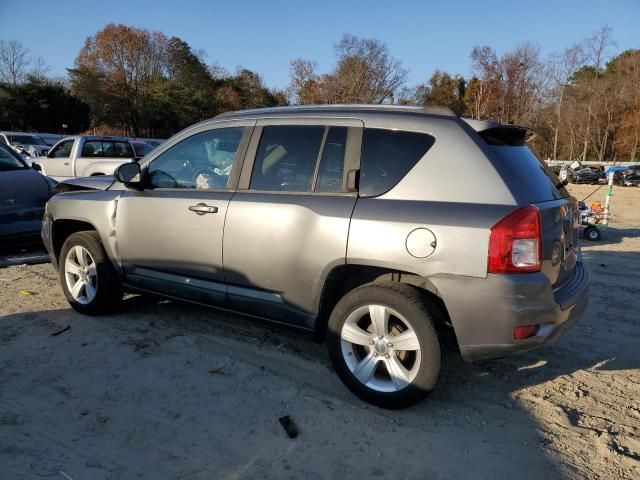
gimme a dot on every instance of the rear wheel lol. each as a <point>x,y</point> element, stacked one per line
<point>384,345</point>
<point>88,279</point>
<point>592,233</point>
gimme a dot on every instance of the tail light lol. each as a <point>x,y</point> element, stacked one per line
<point>515,242</point>
<point>522,333</point>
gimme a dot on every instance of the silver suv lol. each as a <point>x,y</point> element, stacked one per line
<point>383,230</point>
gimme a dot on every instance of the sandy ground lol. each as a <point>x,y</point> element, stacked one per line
<point>168,390</point>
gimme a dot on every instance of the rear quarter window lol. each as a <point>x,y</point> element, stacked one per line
<point>387,156</point>
<point>535,177</point>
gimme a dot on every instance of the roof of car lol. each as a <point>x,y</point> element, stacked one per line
<point>18,133</point>
<point>95,137</point>
<point>350,108</point>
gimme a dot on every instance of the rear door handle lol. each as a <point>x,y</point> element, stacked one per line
<point>66,163</point>
<point>202,208</point>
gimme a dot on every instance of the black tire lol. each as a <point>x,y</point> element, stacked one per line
<point>423,315</point>
<point>592,234</point>
<point>107,288</point>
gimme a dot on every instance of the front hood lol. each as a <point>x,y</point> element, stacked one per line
<point>24,187</point>
<point>97,182</point>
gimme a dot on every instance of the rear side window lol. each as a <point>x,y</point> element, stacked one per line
<point>286,158</point>
<point>387,156</point>
<point>102,148</point>
<point>535,177</point>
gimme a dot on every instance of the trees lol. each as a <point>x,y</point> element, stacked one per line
<point>118,67</point>
<point>14,61</point>
<point>365,72</point>
<point>41,105</point>
<point>145,84</point>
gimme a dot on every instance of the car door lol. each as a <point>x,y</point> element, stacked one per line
<point>288,223</point>
<point>169,235</point>
<point>57,164</point>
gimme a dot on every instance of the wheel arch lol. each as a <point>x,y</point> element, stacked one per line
<point>345,278</point>
<point>63,229</point>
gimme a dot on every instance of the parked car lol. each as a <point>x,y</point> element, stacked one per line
<point>628,177</point>
<point>31,145</point>
<point>383,230</point>
<point>23,194</point>
<point>585,175</point>
<point>83,156</point>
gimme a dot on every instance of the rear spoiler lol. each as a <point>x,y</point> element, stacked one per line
<point>495,133</point>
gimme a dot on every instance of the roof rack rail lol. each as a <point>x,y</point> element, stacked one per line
<point>426,109</point>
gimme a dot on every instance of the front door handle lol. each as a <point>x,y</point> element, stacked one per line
<point>66,163</point>
<point>202,208</point>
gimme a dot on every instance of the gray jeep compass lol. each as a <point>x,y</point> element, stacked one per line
<point>384,230</point>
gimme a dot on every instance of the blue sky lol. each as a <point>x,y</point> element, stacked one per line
<point>265,35</point>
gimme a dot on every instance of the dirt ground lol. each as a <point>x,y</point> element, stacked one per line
<point>167,390</point>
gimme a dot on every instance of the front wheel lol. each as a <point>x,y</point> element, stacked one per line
<point>88,279</point>
<point>384,345</point>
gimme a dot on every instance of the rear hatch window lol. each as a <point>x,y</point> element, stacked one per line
<point>535,177</point>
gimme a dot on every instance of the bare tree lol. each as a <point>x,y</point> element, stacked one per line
<point>597,47</point>
<point>303,81</point>
<point>14,61</point>
<point>366,72</point>
<point>560,70</point>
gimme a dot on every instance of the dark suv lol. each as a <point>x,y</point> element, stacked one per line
<point>382,229</point>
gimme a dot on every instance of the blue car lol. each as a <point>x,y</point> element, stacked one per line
<point>23,195</point>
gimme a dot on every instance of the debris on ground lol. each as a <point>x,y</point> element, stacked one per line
<point>289,426</point>
<point>55,334</point>
<point>217,371</point>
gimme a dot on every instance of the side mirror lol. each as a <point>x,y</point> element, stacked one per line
<point>36,167</point>
<point>129,174</point>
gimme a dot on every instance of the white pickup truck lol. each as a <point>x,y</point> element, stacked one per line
<point>85,156</point>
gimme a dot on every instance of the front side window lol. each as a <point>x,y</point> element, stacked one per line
<point>9,160</point>
<point>202,161</point>
<point>387,156</point>
<point>63,150</point>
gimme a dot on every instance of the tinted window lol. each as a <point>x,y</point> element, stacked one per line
<point>142,148</point>
<point>202,161</point>
<point>286,158</point>
<point>25,140</point>
<point>387,156</point>
<point>63,150</point>
<point>537,179</point>
<point>107,148</point>
<point>332,161</point>
<point>9,161</point>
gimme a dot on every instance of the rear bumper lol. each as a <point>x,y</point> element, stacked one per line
<point>485,312</point>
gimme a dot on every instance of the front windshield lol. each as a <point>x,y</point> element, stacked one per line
<point>9,161</point>
<point>25,140</point>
